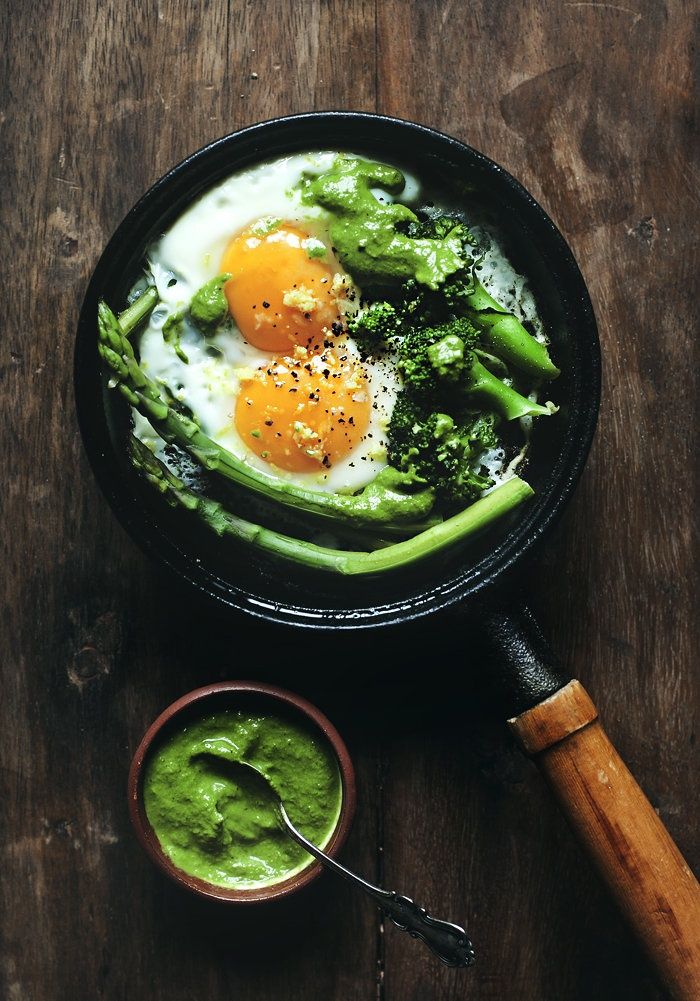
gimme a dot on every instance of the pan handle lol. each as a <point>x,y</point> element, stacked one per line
<point>615,822</point>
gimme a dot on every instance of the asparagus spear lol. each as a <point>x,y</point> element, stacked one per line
<point>475,518</point>
<point>139,309</point>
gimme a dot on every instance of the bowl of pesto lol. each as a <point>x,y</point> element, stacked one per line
<point>204,820</point>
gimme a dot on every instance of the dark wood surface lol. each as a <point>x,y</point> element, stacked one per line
<point>591,106</point>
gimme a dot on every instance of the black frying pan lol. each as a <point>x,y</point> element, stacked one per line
<point>552,716</point>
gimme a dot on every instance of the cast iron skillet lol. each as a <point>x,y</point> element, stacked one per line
<point>552,716</point>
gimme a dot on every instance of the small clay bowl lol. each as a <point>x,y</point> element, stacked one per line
<point>238,695</point>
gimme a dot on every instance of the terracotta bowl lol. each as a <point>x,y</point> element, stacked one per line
<point>238,694</point>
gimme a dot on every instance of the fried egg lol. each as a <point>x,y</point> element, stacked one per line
<point>280,383</point>
<point>278,295</point>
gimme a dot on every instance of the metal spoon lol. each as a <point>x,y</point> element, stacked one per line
<point>448,941</point>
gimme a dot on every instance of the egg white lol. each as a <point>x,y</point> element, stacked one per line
<point>188,255</point>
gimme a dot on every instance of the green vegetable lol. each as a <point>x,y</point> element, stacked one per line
<point>478,516</point>
<point>505,335</point>
<point>447,356</point>
<point>375,326</point>
<point>416,364</point>
<point>139,309</point>
<point>209,306</point>
<point>392,501</point>
<point>502,332</point>
<point>367,232</point>
<point>418,306</point>
<point>435,359</point>
<point>480,384</point>
<point>436,226</point>
<point>442,451</point>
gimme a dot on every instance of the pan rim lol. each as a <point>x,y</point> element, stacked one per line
<point>510,551</point>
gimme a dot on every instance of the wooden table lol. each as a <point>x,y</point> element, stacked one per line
<point>590,105</point>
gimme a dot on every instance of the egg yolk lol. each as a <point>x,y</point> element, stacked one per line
<point>304,415</point>
<point>278,295</point>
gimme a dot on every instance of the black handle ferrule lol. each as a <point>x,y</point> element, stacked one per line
<point>522,670</point>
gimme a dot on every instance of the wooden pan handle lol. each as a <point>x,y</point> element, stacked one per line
<point>617,825</point>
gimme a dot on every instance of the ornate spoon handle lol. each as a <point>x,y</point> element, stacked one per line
<point>448,941</point>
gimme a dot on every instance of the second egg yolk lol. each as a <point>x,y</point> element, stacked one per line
<point>278,295</point>
<point>304,415</point>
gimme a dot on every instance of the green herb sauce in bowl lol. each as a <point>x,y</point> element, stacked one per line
<point>213,822</point>
<point>207,822</point>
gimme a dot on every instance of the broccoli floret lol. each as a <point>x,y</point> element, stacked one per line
<point>440,449</point>
<point>434,225</point>
<point>461,293</point>
<point>458,288</point>
<point>375,326</point>
<point>447,357</point>
<point>430,354</point>
<point>421,306</point>
<point>482,432</point>
<point>436,361</point>
<point>435,228</point>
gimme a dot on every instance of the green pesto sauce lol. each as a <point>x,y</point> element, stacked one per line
<point>213,822</point>
<point>364,230</point>
<point>209,306</point>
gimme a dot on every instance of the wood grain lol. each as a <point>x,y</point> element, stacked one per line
<point>620,832</point>
<point>591,106</point>
<point>553,720</point>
